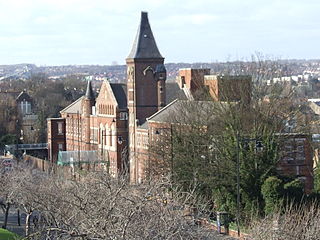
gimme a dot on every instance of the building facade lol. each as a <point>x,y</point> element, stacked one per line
<point>56,128</point>
<point>124,120</point>
<point>296,158</point>
<point>17,115</point>
<point>96,124</point>
<point>222,88</point>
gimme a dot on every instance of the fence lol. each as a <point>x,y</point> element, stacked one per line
<point>48,167</point>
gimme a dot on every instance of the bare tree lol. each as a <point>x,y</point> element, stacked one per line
<point>294,222</point>
<point>102,207</point>
<point>10,185</point>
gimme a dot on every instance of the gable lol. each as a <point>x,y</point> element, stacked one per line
<point>106,101</point>
<point>23,96</point>
<point>106,95</point>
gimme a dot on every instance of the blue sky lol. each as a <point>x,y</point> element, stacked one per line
<point>59,32</point>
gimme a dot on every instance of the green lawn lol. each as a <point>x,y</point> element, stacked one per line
<point>7,235</point>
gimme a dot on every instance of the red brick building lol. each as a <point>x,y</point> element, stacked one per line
<point>222,88</point>
<point>97,124</point>
<point>56,137</point>
<point>192,79</point>
<point>104,123</point>
<point>297,158</point>
<point>123,120</point>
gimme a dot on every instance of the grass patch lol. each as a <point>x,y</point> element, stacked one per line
<point>7,235</point>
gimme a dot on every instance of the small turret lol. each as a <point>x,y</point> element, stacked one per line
<point>160,73</point>
<point>87,104</point>
<point>88,100</point>
<point>89,92</point>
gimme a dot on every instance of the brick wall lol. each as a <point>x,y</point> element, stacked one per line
<point>56,137</point>
<point>192,78</point>
<point>229,88</point>
<point>297,158</point>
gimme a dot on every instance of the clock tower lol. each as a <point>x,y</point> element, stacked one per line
<point>146,75</point>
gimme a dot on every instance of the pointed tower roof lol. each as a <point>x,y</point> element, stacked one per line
<point>89,92</point>
<point>144,45</point>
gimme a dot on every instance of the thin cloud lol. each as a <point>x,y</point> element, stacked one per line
<point>31,30</point>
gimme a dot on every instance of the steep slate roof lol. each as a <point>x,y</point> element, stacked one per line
<point>119,90</point>
<point>89,92</point>
<point>174,92</point>
<point>186,111</point>
<point>144,45</point>
<point>74,107</point>
<point>24,96</point>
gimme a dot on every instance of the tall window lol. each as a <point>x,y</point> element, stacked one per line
<point>28,107</point>
<point>25,107</point>
<point>60,128</point>
<point>123,116</point>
